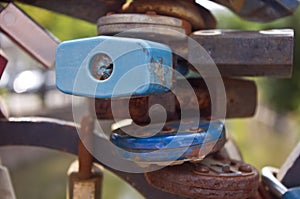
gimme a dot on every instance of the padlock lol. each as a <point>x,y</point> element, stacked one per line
<point>3,63</point>
<point>108,67</point>
<point>89,188</point>
<point>175,143</point>
<point>35,40</point>
<point>6,188</point>
<point>212,178</point>
<point>276,187</point>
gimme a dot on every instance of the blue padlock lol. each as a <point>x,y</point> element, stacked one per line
<point>171,144</point>
<point>108,67</point>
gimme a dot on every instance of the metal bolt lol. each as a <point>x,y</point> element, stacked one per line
<point>226,168</point>
<point>102,66</point>
<point>245,168</point>
<point>201,169</point>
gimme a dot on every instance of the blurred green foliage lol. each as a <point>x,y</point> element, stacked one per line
<point>62,26</point>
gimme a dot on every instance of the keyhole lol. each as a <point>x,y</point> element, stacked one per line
<point>102,66</point>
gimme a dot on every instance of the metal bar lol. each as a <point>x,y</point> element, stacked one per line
<point>6,188</point>
<point>241,102</point>
<point>63,136</point>
<point>272,182</point>
<point>89,10</point>
<point>249,53</point>
<point>20,28</point>
<point>84,157</point>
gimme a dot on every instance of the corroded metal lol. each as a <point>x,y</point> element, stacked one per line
<point>84,157</point>
<point>249,53</point>
<point>223,180</point>
<point>238,92</point>
<point>198,16</point>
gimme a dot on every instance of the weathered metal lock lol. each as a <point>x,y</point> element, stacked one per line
<point>28,35</point>
<point>108,67</point>
<point>175,143</point>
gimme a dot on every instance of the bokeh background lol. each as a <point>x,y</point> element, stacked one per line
<point>265,139</point>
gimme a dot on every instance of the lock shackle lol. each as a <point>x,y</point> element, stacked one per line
<point>268,177</point>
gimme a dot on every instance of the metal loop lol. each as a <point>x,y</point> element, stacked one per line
<point>272,182</point>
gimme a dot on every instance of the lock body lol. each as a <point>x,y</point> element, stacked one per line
<point>175,143</point>
<point>108,67</point>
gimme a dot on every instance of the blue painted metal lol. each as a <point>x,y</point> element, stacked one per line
<point>293,193</point>
<point>262,10</point>
<point>144,67</point>
<point>169,146</point>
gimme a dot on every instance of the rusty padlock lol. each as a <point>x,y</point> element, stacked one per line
<point>213,178</point>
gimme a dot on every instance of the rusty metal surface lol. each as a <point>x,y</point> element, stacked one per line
<point>63,136</point>
<point>79,188</point>
<point>239,93</point>
<point>84,157</point>
<point>212,178</point>
<point>89,10</point>
<point>249,53</point>
<point>198,16</point>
